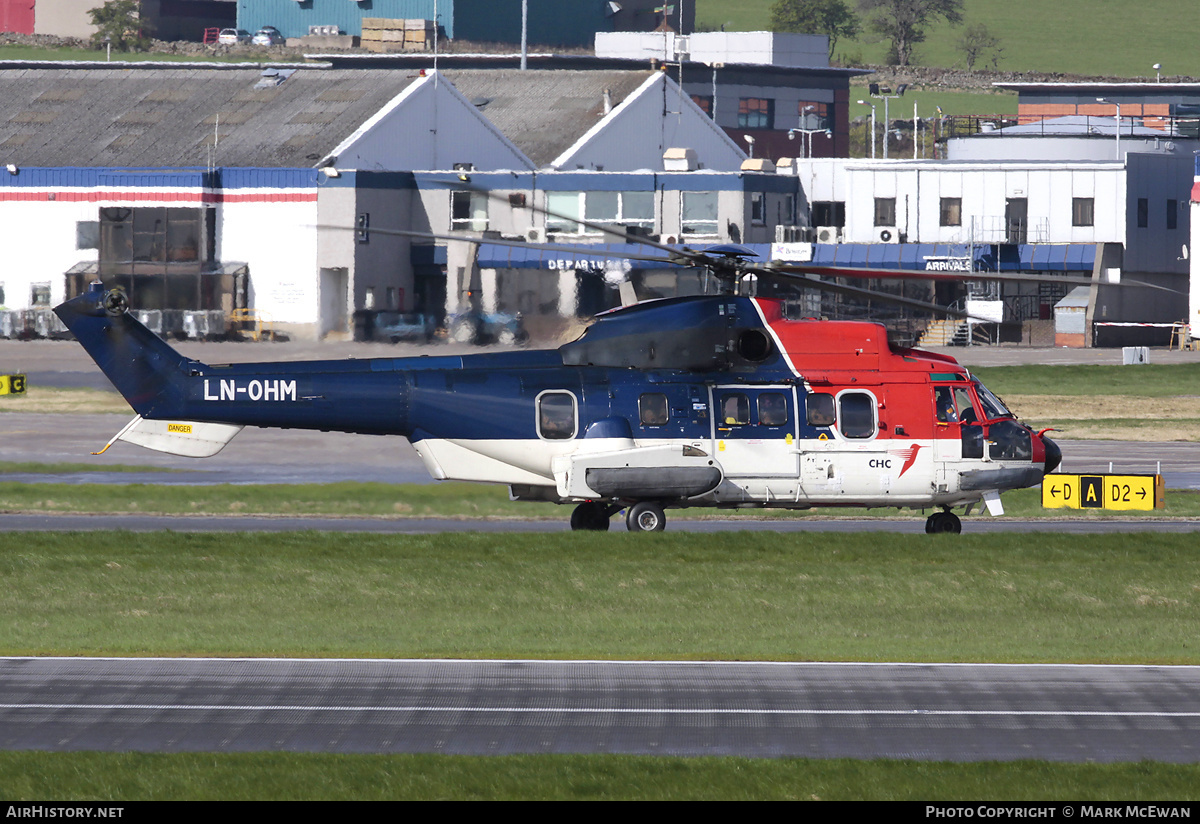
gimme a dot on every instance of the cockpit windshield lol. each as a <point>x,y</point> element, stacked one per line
<point>993,407</point>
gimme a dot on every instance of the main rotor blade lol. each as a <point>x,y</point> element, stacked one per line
<point>923,274</point>
<point>695,258</point>
<point>793,278</point>
<point>548,247</point>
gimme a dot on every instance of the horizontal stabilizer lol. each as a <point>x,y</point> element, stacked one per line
<point>190,439</point>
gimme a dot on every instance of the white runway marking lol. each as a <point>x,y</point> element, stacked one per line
<point>596,710</point>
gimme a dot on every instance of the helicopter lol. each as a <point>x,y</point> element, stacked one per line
<point>715,400</point>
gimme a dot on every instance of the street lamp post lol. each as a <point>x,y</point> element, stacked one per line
<point>872,105</point>
<point>1118,105</point>
<point>886,95</point>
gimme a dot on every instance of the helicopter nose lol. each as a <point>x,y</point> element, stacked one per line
<point>1053,454</point>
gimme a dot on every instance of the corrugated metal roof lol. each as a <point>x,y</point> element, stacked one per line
<point>171,117</point>
<point>544,112</point>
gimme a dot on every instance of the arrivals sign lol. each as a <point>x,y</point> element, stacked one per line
<point>1103,492</point>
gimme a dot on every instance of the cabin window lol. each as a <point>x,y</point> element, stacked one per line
<point>556,416</point>
<point>772,409</point>
<point>856,413</point>
<point>820,409</point>
<point>1143,212</point>
<point>652,409</point>
<point>1172,214</point>
<point>735,410</point>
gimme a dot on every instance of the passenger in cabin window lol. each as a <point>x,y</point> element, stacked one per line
<point>772,409</point>
<point>736,410</point>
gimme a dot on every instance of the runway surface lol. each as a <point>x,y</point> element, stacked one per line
<point>910,711</point>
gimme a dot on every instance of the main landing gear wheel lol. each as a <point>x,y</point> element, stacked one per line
<point>943,522</point>
<point>590,516</point>
<point>646,516</point>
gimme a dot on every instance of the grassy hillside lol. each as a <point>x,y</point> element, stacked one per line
<point>1089,37</point>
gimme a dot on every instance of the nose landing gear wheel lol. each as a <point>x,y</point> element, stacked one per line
<point>646,516</point>
<point>943,522</point>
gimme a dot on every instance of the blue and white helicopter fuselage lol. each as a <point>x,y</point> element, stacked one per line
<point>714,401</point>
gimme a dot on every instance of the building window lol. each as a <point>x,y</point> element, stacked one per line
<point>814,116</point>
<point>39,294</point>
<point>885,211</point>
<point>829,213</point>
<point>1082,211</point>
<point>756,113</point>
<point>705,102</point>
<point>699,213</point>
<point>951,211</point>
<point>1172,214</point>
<point>87,234</point>
<point>468,211</point>
<point>621,209</point>
<point>563,207</point>
<point>1143,212</point>
<point>758,208</point>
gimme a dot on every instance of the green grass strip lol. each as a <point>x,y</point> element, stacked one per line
<point>1040,597</point>
<point>1147,380</point>
<point>300,777</point>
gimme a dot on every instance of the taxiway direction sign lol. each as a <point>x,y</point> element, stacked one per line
<point>1103,492</point>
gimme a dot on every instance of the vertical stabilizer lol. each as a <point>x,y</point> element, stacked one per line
<point>145,370</point>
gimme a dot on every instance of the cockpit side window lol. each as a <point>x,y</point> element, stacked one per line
<point>944,402</point>
<point>556,415</point>
<point>966,405</point>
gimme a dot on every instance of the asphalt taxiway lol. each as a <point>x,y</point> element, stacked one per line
<point>944,712</point>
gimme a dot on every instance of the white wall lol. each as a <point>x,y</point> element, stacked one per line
<point>918,187</point>
<point>279,241</point>
<point>39,241</point>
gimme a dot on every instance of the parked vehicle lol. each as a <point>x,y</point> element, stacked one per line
<point>268,36</point>
<point>410,326</point>
<point>231,37</point>
<point>487,327</point>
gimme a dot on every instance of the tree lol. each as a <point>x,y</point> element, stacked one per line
<point>120,22</point>
<point>903,22</point>
<point>976,42</point>
<point>829,17</point>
